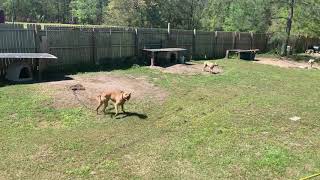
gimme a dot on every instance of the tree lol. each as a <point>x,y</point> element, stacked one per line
<point>126,13</point>
<point>307,18</point>
<point>183,14</point>
<point>247,16</point>
<point>303,19</point>
<point>291,4</point>
<point>85,11</point>
<point>241,15</point>
<point>100,7</point>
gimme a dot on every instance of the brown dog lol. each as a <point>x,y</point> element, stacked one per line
<point>118,98</point>
<point>210,65</point>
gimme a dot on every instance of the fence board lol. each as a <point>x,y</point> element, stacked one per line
<point>243,41</point>
<point>260,41</point>
<point>15,39</point>
<point>182,39</point>
<point>204,44</point>
<point>152,38</point>
<point>71,45</point>
<point>224,41</point>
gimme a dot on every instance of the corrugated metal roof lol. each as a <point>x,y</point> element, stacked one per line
<point>27,56</point>
<point>165,50</point>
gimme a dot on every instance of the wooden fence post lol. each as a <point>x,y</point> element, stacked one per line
<point>215,44</point>
<point>94,48</point>
<point>251,40</point>
<point>194,43</point>
<point>37,37</point>
<point>136,43</point>
<point>234,36</point>
<point>110,43</point>
<point>168,43</point>
<point>41,46</point>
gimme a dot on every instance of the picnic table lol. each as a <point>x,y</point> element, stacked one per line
<point>247,54</point>
<point>20,56</point>
<point>153,51</point>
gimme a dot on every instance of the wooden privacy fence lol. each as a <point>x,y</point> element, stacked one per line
<point>16,39</point>
<point>103,45</point>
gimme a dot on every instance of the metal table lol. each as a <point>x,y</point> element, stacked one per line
<point>153,51</point>
<point>239,51</point>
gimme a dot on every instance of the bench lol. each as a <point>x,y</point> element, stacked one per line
<point>246,54</point>
<point>166,50</point>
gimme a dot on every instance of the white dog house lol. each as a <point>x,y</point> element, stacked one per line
<point>20,70</point>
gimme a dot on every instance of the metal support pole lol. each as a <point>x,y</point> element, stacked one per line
<point>152,58</point>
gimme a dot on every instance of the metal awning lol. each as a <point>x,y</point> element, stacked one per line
<point>27,56</point>
<point>165,50</point>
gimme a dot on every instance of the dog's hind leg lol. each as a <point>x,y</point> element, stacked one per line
<point>97,109</point>
<point>105,105</point>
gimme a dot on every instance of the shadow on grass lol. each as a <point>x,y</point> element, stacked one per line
<point>53,74</point>
<point>56,77</point>
<point>128,114</point>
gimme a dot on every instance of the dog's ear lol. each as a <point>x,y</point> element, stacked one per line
<point>129,95</point>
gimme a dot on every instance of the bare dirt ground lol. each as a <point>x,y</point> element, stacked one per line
<point>285,63</point>
<point>94,85</point>
<point>316,55</point>
<point>187,69</point>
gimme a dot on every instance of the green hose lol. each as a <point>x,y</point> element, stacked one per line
<point>312,176</point>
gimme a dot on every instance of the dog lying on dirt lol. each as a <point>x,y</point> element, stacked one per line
<point>309,51</point>
<point>210,65</point>
<point>118,98</point>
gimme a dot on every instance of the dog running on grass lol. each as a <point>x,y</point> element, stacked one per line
<point>118,98</point>
<point>210,65</point>
<point>311,62</point>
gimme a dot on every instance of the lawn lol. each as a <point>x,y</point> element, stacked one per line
<point>230,126</point>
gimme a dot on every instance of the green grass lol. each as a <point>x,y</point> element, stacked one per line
<point>231,126</point>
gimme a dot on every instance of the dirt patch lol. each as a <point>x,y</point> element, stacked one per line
<point>315,55</point>
<point>285,63</point>
<point>94,85</point>
<point>188,69</point>
<point>44,154</point>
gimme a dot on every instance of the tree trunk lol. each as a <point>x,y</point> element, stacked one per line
<point>288,29</point>
<point>190,23</point>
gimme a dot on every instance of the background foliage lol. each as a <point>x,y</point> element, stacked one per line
<point>241,15</point>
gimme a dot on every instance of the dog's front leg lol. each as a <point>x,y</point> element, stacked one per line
<point>116,107</point>
<point>211,70</point>
<point>204,68</point>
<point>122,108</point>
